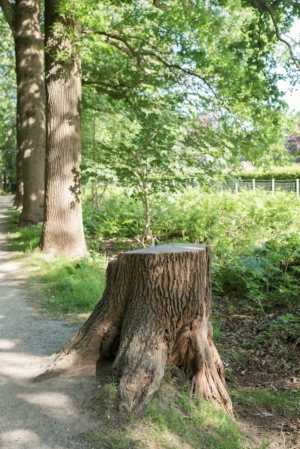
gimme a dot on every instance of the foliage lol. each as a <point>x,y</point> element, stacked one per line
<point>254,237</point>
<point>119,215</point>
<point>170,94</point>
<point>291,172</point>
<point>265,275</point>
<point>255,241</point>
<point>155,146</point>
<point>287,326</point>
<point>70,287</point>
<point>293,141</point>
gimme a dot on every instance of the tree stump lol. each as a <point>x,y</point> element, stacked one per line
<point>155,310</point>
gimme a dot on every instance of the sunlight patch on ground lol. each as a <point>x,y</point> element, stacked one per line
<point>8,344</point>
<point>20,439</point>
<point>12,364</point>
<point>12,269</point>
<point>47,399</point>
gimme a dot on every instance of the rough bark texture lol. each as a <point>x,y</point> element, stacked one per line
<point>18,202</point>
<point>155,310</point>
<point>31,133</point>
<point>63,228</point>
<point>23,17</point>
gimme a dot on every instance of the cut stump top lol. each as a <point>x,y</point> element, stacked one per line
<point>169,248</point>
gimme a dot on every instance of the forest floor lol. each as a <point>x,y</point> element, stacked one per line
<point>60,412</point>
<point>263,375</point>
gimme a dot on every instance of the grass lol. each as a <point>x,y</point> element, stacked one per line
<point>283,402</point>
<point>23,240</point>
<point>171,421</point>
<point>66,287</point>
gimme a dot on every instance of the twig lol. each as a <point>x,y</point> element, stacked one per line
<point>268,8</point>
<point>140,242</point>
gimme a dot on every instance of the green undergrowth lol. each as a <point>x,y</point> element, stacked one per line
<point>290,172</point>
<point>255,238</point>
<point>23,240</point>
<point>67,287</point>
<point>172,420</point>
<point>284,402</point>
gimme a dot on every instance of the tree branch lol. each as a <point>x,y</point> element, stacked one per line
<point>292,3</point>
<point>159,5</point>
<point>115,94</point>
<point>140,56</point>
<point>9,11</point>
<point>268,8</point>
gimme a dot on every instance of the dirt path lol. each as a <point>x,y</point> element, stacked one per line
<point>35,415</point>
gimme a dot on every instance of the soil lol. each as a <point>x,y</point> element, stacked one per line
<point>257,357</point>
<point>57,412</point>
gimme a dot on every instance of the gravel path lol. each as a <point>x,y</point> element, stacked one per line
<point>35,415</point>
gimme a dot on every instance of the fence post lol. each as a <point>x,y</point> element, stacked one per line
<point>297,189</point>
<point>273,186</point>
<point>236,188</point>
<point>253,184</point>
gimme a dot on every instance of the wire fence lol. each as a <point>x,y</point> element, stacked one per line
<point>270,185</point>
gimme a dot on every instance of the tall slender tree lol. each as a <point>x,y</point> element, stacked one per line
<point>7,107</point>
<point>23,17</point>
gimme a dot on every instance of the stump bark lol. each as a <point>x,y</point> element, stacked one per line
<point>155,310</point>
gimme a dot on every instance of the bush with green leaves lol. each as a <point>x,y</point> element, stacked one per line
<point>119,216</point>
<point>289,172</point>
<point>255,238</point>
<point>72,286</point>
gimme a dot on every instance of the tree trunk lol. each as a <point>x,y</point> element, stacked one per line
<point>31,133</point>
<point>18,202</point>
<point>63,228</point>
<point>155,310</point>
<point>23,17</point>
